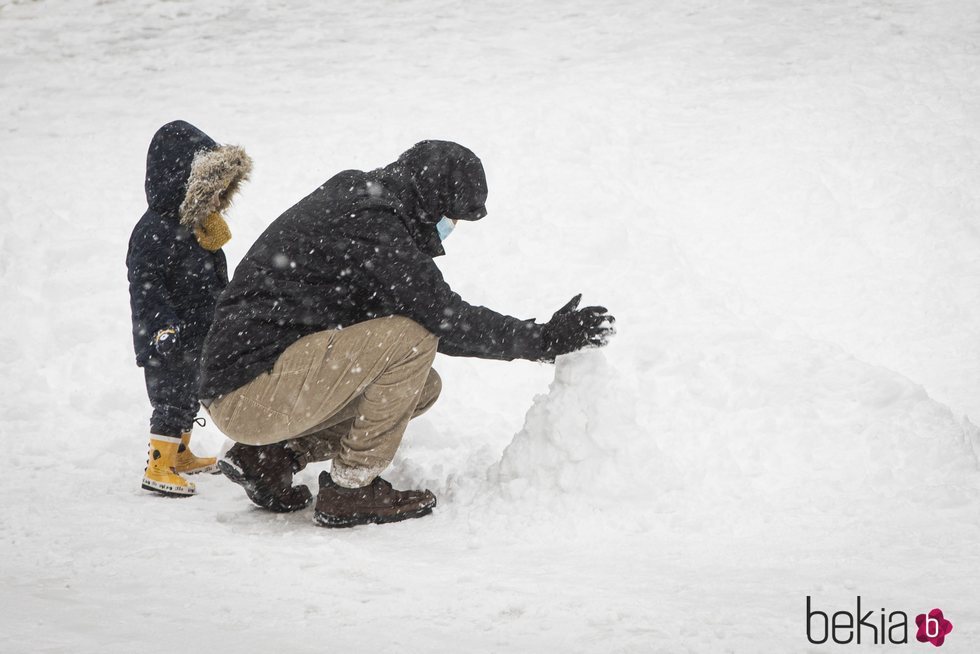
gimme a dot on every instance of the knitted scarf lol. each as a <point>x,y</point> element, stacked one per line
<point>213,232</point>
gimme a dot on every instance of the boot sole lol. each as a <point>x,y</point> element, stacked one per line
<point>210,470</point>
<point>340,522</point>
<point>237,475</point>
<point>166,489</point>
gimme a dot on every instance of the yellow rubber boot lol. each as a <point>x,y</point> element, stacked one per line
<point>188,463</point>
<point>160,476</point>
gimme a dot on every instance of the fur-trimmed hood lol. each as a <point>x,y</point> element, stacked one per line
<point>189,176</point>
<point>214,180</point>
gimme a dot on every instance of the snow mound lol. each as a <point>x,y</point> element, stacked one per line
<point>781,423</point>
<point>580,433</point>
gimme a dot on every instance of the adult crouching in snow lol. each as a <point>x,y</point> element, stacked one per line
<point>323,343</point>
<point>176,273</point>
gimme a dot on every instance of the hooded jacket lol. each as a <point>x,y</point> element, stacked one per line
<point>173,281</point>
<point>359,247</point>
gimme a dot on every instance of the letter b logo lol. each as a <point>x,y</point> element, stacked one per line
<point>933,628</point>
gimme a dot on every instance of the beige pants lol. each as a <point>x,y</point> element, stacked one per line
<point>345,394</point>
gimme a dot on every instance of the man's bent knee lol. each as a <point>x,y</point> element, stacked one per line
<point>414,331</point>
<point>430,392</point>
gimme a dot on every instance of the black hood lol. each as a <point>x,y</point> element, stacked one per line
<point>168,164</point>
<point>435,179</point>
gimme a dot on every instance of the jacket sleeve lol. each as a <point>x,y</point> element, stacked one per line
<point>148,296</point>
<point>409,283</point>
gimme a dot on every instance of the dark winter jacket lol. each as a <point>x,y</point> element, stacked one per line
<point>360,247</point>
<point>173,281</point>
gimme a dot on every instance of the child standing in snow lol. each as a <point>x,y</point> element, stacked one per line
<point>176,272</point>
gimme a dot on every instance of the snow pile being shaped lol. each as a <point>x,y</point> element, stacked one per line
<point>745,418</point>
<point>580,433</point>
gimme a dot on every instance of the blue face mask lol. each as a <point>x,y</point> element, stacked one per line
<point>445,228</point>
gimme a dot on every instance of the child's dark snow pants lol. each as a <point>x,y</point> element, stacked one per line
<point>171,384</point>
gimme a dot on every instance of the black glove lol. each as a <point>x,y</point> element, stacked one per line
<point>165,341</point>
<point>572,329</point>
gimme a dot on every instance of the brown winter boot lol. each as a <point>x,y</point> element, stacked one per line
<point>266,473</point>
<point>376,503</point>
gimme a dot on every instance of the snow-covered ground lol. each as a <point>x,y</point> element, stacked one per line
<point>779,201</point>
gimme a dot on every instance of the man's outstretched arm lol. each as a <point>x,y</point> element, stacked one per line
<point>410,284</point>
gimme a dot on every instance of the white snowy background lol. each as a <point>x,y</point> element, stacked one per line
<point>780,202</point>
